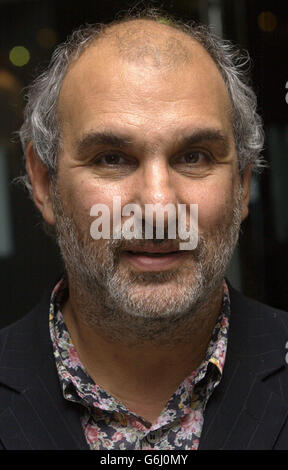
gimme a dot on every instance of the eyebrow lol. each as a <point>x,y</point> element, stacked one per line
<point>94,139</point>
<point>204,135</point>
<point>108,138</point>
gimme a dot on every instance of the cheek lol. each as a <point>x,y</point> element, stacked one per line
<point>215,202</point>
<point>82,193</point>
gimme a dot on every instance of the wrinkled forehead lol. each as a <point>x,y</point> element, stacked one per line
<point>144,51</point>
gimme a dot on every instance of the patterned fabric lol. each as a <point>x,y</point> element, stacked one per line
<point>107,423</point>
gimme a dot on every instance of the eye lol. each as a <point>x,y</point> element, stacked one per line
<point>194,157</point>
<point>112,159</point>
<point>193,163</point>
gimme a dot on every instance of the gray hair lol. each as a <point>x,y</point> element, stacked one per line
<point>41,124</point>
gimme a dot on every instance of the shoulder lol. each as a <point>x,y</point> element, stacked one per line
<point>258,335</point>
<point>33,322</point>
<point>24,345</point>
<point>29,321</point>
<point>249,308</point>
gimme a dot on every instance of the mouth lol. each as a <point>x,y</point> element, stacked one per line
<point>154,258</point>
<point>153,254</point>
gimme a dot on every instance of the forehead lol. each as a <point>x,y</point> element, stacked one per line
<point>141,75</point>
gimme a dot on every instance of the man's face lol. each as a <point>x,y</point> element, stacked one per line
<point>149,135</point>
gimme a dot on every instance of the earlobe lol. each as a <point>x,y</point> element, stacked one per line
<point>41,183</point>
<point>246,180</point>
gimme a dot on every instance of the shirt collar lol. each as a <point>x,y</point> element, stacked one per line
<point>79,387</point>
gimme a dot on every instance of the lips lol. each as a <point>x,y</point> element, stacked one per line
<point>152,254</point>
<point>153,249</point>
<point>153,258</point>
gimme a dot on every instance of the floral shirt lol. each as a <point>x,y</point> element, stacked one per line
<point>107,423</point>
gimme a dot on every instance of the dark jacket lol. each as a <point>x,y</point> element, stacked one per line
<point>248,410</point>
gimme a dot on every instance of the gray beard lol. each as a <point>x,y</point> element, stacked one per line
<point>150,306</point>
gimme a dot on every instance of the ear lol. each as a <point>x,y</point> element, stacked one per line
<point>245,180</point>
<point>41,184</point>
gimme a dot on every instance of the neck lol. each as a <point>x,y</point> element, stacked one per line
<point>141,373</point>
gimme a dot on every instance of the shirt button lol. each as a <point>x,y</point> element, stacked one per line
<point>153,437</point>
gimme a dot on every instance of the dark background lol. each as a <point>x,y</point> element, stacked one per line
<point>29,260</point>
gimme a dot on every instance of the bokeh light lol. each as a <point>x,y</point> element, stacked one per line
<point>267,21</point>
<point>8,82</point>
<point>19,56</point>
<point>46,38</point>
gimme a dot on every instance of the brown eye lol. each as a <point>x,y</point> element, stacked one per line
<point>111,159</point>
<point>195,157</point>
<point>193,163</point>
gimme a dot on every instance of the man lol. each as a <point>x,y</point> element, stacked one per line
<point>142,345</point>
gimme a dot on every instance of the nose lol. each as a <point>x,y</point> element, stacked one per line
<point>155,184</point>
<point>154,187</point>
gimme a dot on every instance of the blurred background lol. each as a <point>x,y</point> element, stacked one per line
<point>30,31</point>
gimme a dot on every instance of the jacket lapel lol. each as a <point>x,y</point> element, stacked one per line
<point>35,416</point>
<point>40,420</point>
<point>246,411</point>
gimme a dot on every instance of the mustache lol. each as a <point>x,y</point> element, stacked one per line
<point>119,245</point>
<point>154,238</point>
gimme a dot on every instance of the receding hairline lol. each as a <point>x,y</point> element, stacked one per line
<point>113,39</point>
<point>145,46</point>
<point>131,26</point>
<point>133,42</point>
